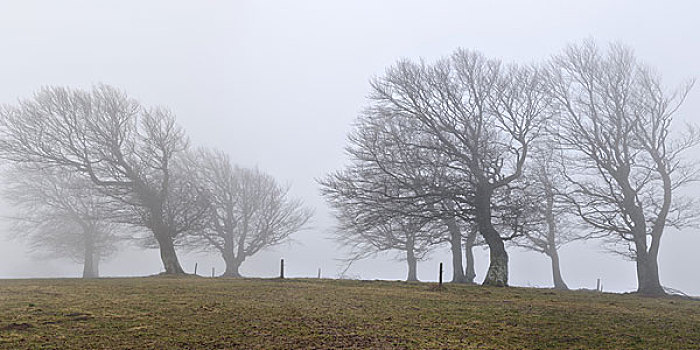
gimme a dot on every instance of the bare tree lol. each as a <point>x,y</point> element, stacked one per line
<point>61,213</point>
<point>248,210</point>
<point>368,205</point>
<point>482,116</point>
<point>126,150</point>
<point>544,210</point>
<point>399,185</point>
<point>625,167</point>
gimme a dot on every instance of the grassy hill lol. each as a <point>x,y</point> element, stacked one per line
<point>200,313</point>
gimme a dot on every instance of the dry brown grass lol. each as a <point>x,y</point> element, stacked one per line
<point>199,313</point>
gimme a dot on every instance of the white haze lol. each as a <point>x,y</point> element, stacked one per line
<point>277,84</point>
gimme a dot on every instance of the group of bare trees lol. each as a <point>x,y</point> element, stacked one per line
<point>86,167</point>
<point>581,146</point>
<point>464,151</point>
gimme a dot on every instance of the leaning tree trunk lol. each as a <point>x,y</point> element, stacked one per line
<point>168,256</point>
<point>552,239</point>
<point>456,248</point>
<point>161,232</point>
<point>411,259</point>
<point>497,274</point>
<point>556,271</point>
<point>469,271</point>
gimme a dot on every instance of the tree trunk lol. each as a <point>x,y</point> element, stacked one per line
<point>648,274</point>
<point>456,248</point>
<point>552,238</point>
<point>96,266</point>
<point>497,274</point>
<point>161,231</point>
<point>233,263</point>
<point>90,260</point>
<point>412,267</point>
<point>469,271</point>
<point>168,256</point>
<point>232,268</point>
<point>87,267</point>
<point>233,260</point>
<point>556,271</point>
<point>647,260</point>
<point>411,259</point>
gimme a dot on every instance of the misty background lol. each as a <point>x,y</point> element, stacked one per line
<point>277,85</point>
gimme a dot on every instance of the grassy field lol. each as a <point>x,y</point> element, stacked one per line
<point>199,313</point>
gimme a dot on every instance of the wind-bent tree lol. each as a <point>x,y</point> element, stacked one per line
<point>248,210</point>
<point>394,184</point>
<point>126,150</point>
<point>479,114</point>
<point>62,214</point>
<point>625,167</point>
<point>544,210</point>
<point>367,203</point>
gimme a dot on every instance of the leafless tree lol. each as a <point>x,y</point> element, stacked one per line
<point>61,213</point>
<point>398,184</point>
<point>248,211</point>
<point>126,150</point>
<point>624,164</point>
<point>482,116</point>
<point>368,204</point>
<point>546,216</point>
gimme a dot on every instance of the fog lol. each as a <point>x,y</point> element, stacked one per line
<point>278,84</point>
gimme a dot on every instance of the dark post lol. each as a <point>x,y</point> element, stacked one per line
<point>212,272</point>
<point>597,286</point>
<point>195,268</point>
<point>319,272</point>
<point>440,280</point>
<point>281,268</point>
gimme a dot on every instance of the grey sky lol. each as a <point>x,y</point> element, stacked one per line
<point>277,84</point>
